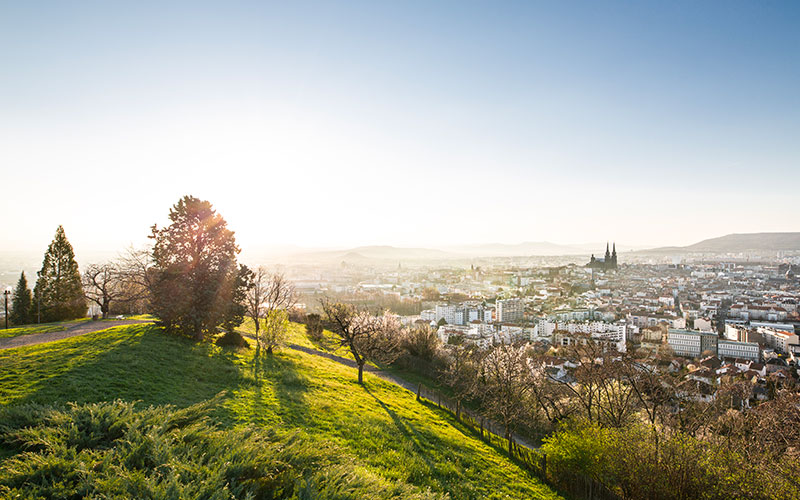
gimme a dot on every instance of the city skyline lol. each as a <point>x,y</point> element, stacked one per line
<point>413,125</point>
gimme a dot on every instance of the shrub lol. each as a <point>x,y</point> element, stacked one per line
<point>114,450</point>
<point>232,339</point>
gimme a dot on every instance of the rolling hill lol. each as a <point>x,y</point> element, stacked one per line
<point>378,433</point>
<point>737,243</point>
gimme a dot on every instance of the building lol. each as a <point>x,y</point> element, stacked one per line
<point>778,339</point>
<point>691,344</point>
<point>607,263</point>
<point>452,314</point>
<point>510,310</point>
<point>695,344</point>
<point>738,350</point>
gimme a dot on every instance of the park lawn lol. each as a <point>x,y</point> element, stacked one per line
<point>43,328</point>
<point>297,335</point>
<point>380,425</point>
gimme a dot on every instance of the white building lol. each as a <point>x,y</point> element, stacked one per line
<point>778,339</point>
<point>694,344</point>
<point>510,310</point>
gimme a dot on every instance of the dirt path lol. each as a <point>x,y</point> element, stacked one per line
<point>488,425</point>
<point>71,331</point>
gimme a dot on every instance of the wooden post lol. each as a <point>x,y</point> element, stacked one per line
<point>419,389</point>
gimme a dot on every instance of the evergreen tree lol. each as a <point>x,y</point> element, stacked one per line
<point>22,312</point>
<point>197,282</point>
<point>58,288</point>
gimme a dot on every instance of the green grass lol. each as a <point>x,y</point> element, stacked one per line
<point>379,427</point>
<point>43,328</point>
<point>27,330</point>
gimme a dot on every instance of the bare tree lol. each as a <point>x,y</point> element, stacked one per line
<point>366,336</point>
<point>256,293</point>
<point>654,391</point>
<point>266,294</point>
<point>506,387</point>
<point>461,372</point>
<point>102,283</point>
<point>279,294</point>
<point>136,274</point>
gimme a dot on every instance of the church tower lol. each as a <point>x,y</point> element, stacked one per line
<point>608,255</point>
<point>614,257</point>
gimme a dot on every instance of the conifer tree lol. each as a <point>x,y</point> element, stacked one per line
<point>197,283</point>
<point>59,287</point>
<point>22,303</point>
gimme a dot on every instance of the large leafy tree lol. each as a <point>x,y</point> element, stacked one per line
<point>196,282</point>
<point>22,303</point>
<point>58,289</point>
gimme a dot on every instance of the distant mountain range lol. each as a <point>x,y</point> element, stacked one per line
<point>365,254</point>
<point>732,243</point>
<point>737,243</point>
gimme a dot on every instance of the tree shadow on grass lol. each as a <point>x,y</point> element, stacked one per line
<point>139,363</point>
<point>412,434</point>
<point>279,389</point>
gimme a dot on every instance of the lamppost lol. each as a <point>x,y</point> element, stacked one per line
<point>6,293</point>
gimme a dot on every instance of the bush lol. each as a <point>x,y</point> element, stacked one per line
<point>314,326</point>
<point>113,450</point>
<point>232,339</point>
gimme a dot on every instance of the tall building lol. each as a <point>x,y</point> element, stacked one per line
<point>607,263</point>
<point>510,310</point>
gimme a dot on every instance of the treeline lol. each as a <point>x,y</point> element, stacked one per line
<point>628,423</point>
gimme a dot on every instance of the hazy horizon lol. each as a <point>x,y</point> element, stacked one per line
<point>413,124</point>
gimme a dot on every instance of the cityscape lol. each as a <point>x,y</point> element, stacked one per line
<point>348,250</point>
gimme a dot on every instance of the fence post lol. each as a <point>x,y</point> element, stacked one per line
<point>419,389</point>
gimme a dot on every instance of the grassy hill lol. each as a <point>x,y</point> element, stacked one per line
<point>379,429</point>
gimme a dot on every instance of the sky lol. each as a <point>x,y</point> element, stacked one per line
<point>400,122</point>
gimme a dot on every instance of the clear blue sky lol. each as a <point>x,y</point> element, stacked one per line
<point>405,123</point>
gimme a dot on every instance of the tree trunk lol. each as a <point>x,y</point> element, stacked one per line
<point>458,409</point>
<point>360,373</point>
<point>269,350</point>
<point>510,444</point>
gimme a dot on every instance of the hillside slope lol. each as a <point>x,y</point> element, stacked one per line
<point>380,426</point>
<point>736,243</point>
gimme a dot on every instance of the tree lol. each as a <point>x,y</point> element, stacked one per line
<point>235,307</point>
<point>195,280</point>
<point>266,294</point>
<point>276,328</point>
<point>102,283</point>
<point>461,372</point>
<point>365,335</point>
<point>58,289</point>
<point>22,303</point>
<point>506,387</point>
<point>314,326</point>
<point>136,273</point>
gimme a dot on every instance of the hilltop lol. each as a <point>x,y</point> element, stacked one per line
<point>737,243</point>
<point>378,430</point>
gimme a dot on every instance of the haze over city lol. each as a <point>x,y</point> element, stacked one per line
<point>411,124</point>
